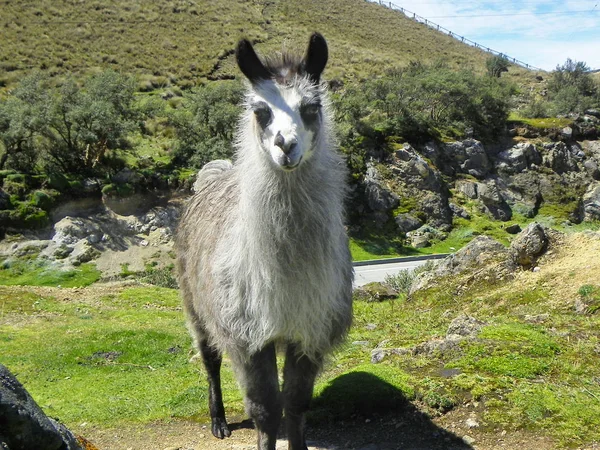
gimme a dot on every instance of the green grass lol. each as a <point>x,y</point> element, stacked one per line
<point>32,272</point>
<point>377,248</point>
<point>541,123</point>
<point>121,360</point>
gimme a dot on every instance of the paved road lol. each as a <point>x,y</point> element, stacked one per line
<point>377,272</point>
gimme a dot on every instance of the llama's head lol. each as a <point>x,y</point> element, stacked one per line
<point>285,101</point>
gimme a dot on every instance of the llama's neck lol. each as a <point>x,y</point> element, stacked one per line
<point>280,205</point>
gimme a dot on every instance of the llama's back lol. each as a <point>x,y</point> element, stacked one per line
<point>204,220</point>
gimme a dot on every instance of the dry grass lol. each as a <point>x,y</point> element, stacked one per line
<point>176,42</point>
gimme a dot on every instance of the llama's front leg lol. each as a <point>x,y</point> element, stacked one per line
<point>299,375</point>
<point>212,362</point>
<point>263,401</point>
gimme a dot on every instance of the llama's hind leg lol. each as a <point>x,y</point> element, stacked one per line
<point>212,362</point>
<point>299,375</point>
<point>263,402</point>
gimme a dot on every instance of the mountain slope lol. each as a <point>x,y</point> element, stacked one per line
<point>194,40</point>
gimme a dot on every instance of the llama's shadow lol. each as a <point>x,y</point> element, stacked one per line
<point>360,410</point>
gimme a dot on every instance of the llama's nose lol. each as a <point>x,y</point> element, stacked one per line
<point>286,145</point>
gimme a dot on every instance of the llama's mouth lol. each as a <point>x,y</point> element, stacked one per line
<point>288,165</point>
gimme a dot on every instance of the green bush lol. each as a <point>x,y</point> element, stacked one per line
<point>572,89</point>
<point>205,126</point>
<point>42,200</point>
<point>57,181</point>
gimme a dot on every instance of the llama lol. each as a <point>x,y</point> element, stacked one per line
<point>263,255</point>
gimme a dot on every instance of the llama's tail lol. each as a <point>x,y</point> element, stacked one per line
<point>210,171</point>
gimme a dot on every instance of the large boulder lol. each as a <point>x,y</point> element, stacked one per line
<point>493,201</point>
<point>23,425</point>
<point>559,157</point>
<point>379,196</point>
<point>470,156</point>
<point>407,223</point>
<point>468,188</point>
<point>518,158</point>
<point>529,245</point>
<point>591,203</point>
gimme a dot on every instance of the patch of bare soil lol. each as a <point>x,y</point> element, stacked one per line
<point>393,432</point>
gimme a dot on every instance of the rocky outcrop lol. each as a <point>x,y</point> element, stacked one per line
<point>414,178</point>
<point>516,159</point>
<point>23,424</point>
<point>591,203</point>
<point>480,252</point>
<point>77,240</point>
<point>469,157</point>
<point>561,157</point>
<point>406,223</point>
<point>379,196</point>
<point>493,201</point>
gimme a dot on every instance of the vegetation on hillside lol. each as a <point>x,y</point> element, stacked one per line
<point>178,43</point>
<point>571,89</point>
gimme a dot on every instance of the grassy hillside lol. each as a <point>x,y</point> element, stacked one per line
<point>177,42</point>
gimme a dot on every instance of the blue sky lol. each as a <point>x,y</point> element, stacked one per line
<point>541,33</point>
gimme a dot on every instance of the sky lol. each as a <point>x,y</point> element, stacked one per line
<point>541,33</point>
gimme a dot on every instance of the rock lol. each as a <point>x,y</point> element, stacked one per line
<point>83,252</point>
<point>458,211</point>
<point>407,223</point>
<point>70,230</point>
<point>468,188</point>
<point>126,175</point>
<point>593,112</point>
<point>375,292</point>
<point>470,156</point>
<point>464,326</point>
<point>557,156</point>
<point>591,167</point>
<point>471,423</point>
<point>518,158</point>
<point>468,439</point>
<point>480,252</point>
<point>423,236</point>
<point>379,197</point>
<point>591,203</point>
<point>529,245</point>
<point>494,202</point>
<point>4,200</point>
<point>515,228</point>
<point>62,251</point>
<point>567,133</point>
<point>23,425</point>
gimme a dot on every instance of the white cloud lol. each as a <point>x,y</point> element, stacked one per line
<point>542,40</point>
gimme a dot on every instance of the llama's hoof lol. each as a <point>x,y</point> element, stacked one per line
<point>220,429</point>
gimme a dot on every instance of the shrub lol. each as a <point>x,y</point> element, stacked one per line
<point>496,65</point>
<point>404,279</point>
<point>205,126</point>
<point>42,200</point>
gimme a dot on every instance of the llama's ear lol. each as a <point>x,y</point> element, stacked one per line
<point>316,57</point>
<point>249,62</point>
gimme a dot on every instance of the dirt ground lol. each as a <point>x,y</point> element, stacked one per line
<point>382,433</point>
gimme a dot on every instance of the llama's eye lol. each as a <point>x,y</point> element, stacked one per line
<point>263,114</point>
<point>310,113</point>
